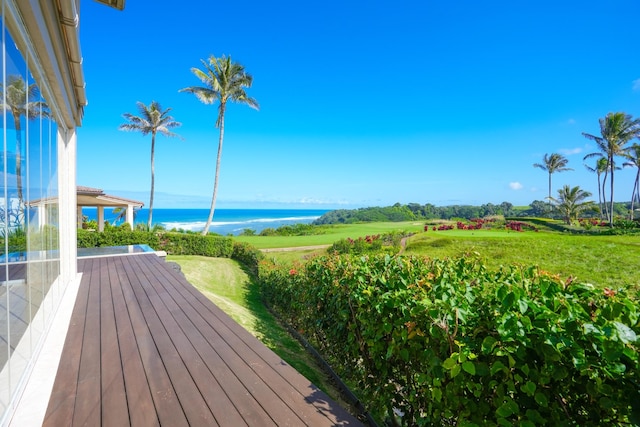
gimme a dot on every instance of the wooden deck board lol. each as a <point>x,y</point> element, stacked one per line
<point>137,388</point>
<point>290,408</point>
<point>62,401</point>
<point>259,358</point>
<point>87,410</point>
<point>115,410</point>
<point>145,348</point>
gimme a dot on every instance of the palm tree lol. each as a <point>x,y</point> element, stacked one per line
<point>616,130</point>
<point>121,213</point>
<point>600,168</point>
<point>633,154</point>
<point>22,100</point>
<point>224,80</point>
<point>553,163</point>
<point>152,120</point>
<point>571,202</point>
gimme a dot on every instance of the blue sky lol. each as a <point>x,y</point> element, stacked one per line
<point>362,103</point>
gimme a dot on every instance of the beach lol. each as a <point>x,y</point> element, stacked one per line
<point>225,221</point>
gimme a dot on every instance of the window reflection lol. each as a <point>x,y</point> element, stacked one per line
<point>29,248</point>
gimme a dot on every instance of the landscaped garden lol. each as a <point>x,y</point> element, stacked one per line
<point>508,323</point>
<point>497,322</point>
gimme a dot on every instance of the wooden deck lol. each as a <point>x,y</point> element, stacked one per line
<point>145,348</point>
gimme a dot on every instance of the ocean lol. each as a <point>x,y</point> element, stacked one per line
<point>225,221</point>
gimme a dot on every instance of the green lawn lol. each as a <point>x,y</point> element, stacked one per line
<point>610,261</point>
<point>332,234</point>
<point>606,261</point>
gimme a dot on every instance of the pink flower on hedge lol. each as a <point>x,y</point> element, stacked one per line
<point>293,272</point>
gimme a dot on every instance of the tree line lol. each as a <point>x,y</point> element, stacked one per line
<point>416,211</point>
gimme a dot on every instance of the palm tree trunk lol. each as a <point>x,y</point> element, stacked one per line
<point>153,149</point>
<point>636,191</point>
<point>549,198</point>
<point>599,196</point>
<point>604,195</point>
<point>215,181</point>
<point>611,213</point>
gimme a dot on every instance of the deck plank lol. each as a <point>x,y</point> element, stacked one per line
<point>223,386</point>
<point>137,390</point>
<point>244,356</point>
<point>87,409</point>
<point>259,358</point>
<point>115,410</point>
<point>167,406</point>
<point>194,406</point>
<point>63,397</point>
<point>145,348</point>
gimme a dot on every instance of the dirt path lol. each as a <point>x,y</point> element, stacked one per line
<point>296,248</point>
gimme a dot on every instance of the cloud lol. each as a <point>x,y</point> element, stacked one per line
<point>570,151</point>
<point>635,85</point>
<point>515,186</point>
<point>571,121</point>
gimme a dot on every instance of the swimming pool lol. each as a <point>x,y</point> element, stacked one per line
<point>113,250</point>
<point>22,257</point>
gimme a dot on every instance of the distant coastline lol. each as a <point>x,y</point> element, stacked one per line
<point>225,221</point>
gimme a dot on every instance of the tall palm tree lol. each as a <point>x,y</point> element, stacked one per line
<point>22,100</point>
<point>553,163</point>
<point>571,202</point>
<point>633,155</point>
<point>224,80</point>
<point>152,120</point>
<point>616,130</point>
<point>601,168</point>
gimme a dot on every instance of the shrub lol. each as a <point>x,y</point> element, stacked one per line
<point>447,342</point>
<point>196,244</point>
<point>172,243</point>
<point>247,255</point>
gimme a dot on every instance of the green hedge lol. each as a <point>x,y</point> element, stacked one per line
<point>175,244</point>
<point>196,244</point>
<point>448,342</point>
<point>116,237</point>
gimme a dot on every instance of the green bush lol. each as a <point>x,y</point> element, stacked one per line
<point>247,255</point>
<point>448,342</point>
<point>115,236</point>
<point>196,244</point>
<point>172,243</point>
<point>17,241</point>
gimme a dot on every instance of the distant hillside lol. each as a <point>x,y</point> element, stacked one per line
<point>416,211</point>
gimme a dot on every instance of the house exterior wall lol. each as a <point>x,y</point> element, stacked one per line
<point>39,56</point>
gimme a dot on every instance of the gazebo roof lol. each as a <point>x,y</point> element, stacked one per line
<point>88,196</point>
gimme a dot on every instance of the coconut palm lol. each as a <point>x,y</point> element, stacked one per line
<point>571,202</point>
<point>553,163</point>
<point>21,100</point>
<point>152,120</point>
<point>616,130</point>
<point>121,214</point>
<point>224,80</point>
<point>633,155</point>
<point>600,169</point>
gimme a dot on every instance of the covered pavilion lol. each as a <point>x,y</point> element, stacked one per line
<point>91,198</point>
<point>95,197</point>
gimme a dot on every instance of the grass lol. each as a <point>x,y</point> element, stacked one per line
<point>227,285</point>
<point>331,234</point>
<point>605,261</point>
